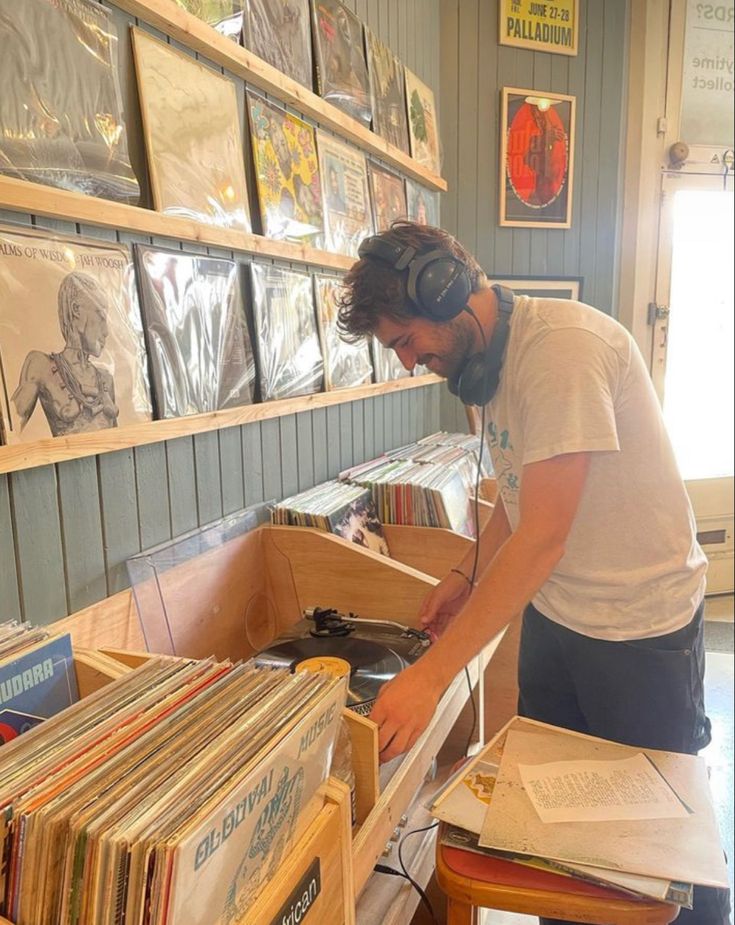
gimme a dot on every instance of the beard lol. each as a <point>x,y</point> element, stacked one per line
<point>454,348</point>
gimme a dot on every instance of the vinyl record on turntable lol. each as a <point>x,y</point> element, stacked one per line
<point>371,663</point>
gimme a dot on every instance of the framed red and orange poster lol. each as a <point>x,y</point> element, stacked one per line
<point>536,159</point>
<point>541,25</point>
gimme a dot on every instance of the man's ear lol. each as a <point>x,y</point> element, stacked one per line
<point>75,310</point>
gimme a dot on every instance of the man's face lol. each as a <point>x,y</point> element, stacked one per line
<point>92,322</point>
<point>443,348</point>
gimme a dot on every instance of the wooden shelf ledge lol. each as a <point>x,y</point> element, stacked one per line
<point>201,37</point>
<point>75,446</point>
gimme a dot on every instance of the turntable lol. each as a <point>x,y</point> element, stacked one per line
<point>375,649</point>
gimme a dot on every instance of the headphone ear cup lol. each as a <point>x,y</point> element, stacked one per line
<point>473,385</point>
<point>439,286</point>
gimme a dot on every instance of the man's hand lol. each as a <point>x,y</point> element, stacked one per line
<point>403,710</point>
<point>443,603</point>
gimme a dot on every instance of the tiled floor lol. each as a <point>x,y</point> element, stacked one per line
<point>719,681</point>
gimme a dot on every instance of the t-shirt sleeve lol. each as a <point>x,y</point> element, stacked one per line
<point>566,391</point>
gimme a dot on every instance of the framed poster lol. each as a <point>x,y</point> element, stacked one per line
<point>543,287</point>
<point>536,159</point>
<point>549,26</point>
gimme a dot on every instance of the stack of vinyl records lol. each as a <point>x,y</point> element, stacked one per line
<point>336,507</point>
<point>168,796</point>
<point>37,677</point>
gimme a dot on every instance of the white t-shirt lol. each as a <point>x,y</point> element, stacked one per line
<point>573,380</point>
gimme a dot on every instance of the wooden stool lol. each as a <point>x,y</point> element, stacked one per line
<point>473,881</point>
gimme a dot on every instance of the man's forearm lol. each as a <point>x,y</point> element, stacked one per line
<point>496,532</point>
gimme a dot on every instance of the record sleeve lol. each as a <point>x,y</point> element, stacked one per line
<point>388,195</point>
<point>226,16</point>
<point>193,136</point>
<point>422,122</point>
<point>195,328</point>
<point>345,364</point>
<point>423,204</point>
<point>341,71</point>
<point>347,213</point>
<point>61,113</point>
<point>286,173</point>
<point>72,354</point>
<point>386,364</point>
<point>289,355</point>
<point>387,92</point>
<point>279,32</point>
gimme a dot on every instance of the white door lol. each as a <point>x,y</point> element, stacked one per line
<point>692,359</point>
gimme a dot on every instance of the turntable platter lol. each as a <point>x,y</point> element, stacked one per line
<point>371,664</point>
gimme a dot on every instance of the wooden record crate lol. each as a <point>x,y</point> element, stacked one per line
<point>272,574</point>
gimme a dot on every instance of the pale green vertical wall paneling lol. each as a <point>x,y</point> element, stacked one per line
<point>345,436</point>
<point>319,436</point>
<point>368,419</point>
<point>334,448</point>
<point>37,528</point>
<point>271,449</point>
<point>151,483</point>
<point>289,456</point>
<point>577,70</point>
<point>378,424</point>
<point>252,463</point>
<point>119,505</point>
<point>181,485</point>
<point>305,450</point>
<point>231,471</point>
<point>208,478</point>
<point>9,597</point>
<point>358,433</point>
<point>81,531</point>
<point>469,116</point>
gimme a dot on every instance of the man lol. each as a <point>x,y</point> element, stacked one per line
<point>592,532</point>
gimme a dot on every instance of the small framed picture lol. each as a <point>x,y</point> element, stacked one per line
<point>543,287</point>
<point>552,27</point>
<point>536,159</point>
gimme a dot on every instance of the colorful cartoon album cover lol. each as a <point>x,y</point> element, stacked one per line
<point>423,204</point>
<point>226,16</point>
<point>289,353</point>
<point>279,32</point>
<point>422,123</point>
<point>388,195</point>
<point>342,76</point>
<point>193,136</point>
<point>345,364</point>
<point>387,92</point>
<point>198,343</point>
<point>347,212</point>
<point>61,112</point>
<point>72,354</point>
<point>287,174</point>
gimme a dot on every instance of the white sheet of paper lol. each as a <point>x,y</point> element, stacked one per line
<point>600,791</point>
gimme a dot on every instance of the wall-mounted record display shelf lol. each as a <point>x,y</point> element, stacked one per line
<point>75,446</point>
<point>201,37</point>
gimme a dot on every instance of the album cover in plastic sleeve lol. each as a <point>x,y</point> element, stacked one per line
<point>388,196</point>
<point>423,204</point>
<point>72,354</point>
<point>347,212</point>
<point>61,113</point>
<point>341,71</point>
<point>345,364</point>
<point>422,123</point>
<point>196,331</point>
<point>279,32</point>
<point>193,136</point>
<point>226,16</point>
<point>287,174</point>
<point>289,354</point>
<point>387,92</point>
<point>386,364</point>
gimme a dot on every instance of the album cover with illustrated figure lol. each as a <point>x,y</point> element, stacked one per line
<point>193,136</point>
<point>345,364</point>
<point>341,71</point>
<point>226,16</point>
<point>287,174</point>
<point>289,354</point>
<point>347,212</point>
<point>423,204</point>
<point>387,92</point>
<point>279,32</point>
<point>61,112</point>
<point>422,123</point>
<point>198,341</point>
<point>388,195</point>
<point>72,354</point>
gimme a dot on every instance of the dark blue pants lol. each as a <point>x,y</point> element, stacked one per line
<point>648,693</point>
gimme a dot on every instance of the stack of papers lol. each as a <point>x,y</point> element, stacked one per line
<point>169,796</point>
<point>637,820</point>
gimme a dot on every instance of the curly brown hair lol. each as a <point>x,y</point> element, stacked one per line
<point>373,289</point>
